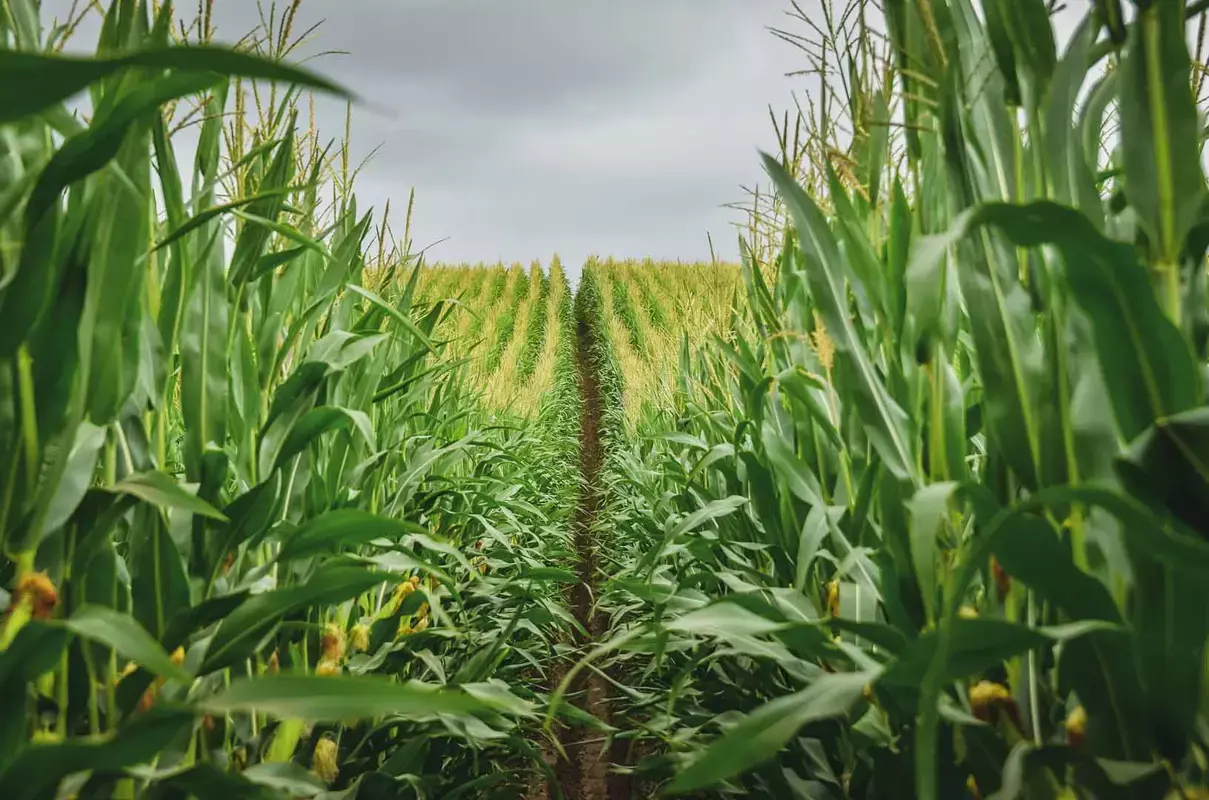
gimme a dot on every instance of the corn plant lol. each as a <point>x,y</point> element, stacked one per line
<point>257,535</point>
<point>929,519</point>
<point>504,326</point>
<point>536,330</point>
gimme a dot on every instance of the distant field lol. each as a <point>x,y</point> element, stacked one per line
<point>506,323</point>
<point>651,309</point>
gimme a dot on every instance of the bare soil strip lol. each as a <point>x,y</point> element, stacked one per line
<point>584,774</point>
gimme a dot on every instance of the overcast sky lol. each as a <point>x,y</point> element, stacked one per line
<point>614,127</point>
<point>534,126</point>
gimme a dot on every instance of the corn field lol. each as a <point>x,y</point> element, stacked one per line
<point>908,503</point>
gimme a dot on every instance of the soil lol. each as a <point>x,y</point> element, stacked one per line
<point>584,773</point>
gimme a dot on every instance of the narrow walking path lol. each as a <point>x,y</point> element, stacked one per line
<point>584,774</point>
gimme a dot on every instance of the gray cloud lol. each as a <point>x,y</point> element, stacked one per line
<point>511,57</point>
<point>533,126</point>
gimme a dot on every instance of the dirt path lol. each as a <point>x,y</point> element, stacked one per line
<point>584,775</point>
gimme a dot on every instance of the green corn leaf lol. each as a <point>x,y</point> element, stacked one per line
<point>77,475</point>
<point>126,637</point>
<point>1100,667</point>
<point>548,575</point>
<point>437,545</point>
<point>241,631</point>
<point>11,198</point>
<point>94,147</point>
<point>1160,138</point>
<point>1091,124</point>
<point>724,619</point>
<point>884,420</point>
<point>200,617</point>
<point>244,399</point>
<point>116,258</point>
<point>807,394</point>
<point>37,770</point>
<point>1153,373</point>
<point>328,698</point>
<point>178,272</point>
<point>883,636</point>
<point>407,324</point>
<point>347,260</point>
<point>250,515</point>
<point>33,82</point>
<point>346,527</point>
<point>159,580</point>
<point>1168,467</point>
<point>999,37</point>
<point>289,777</point>
<point>312,425</point>
<point>1028,767</point>
<point>980,161</point>
<point>789,468</point>
<point>746,617</point>
<point>209,782</point>
<point>418,468</point>
<point>814,531</point>
<point>763,732</point>
<point>1171,624</point>
<point>1172,627</point>
<point>35,650</point>
<point>23,21</point>
<point>1032,37</point>
<point>980,644</point>
<point>1011,362</point>
<point>929,508</point>
<point>878,126</point>
<point>184,227</point>
<point>182,625</point>
<point>927,287</point>
<point>713,510</point>
<point>1070,173</point>
<point>204,319</point>
<point>855,561</point>
<point>898,247</point>
<point>112,315</point>
<point>263,212</point>
<point>1033,554</point>
<point>272,261</point>
<point>852,232</point>
<point>303,382</point>
<point>286,231</point>
<point>163,491</point>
